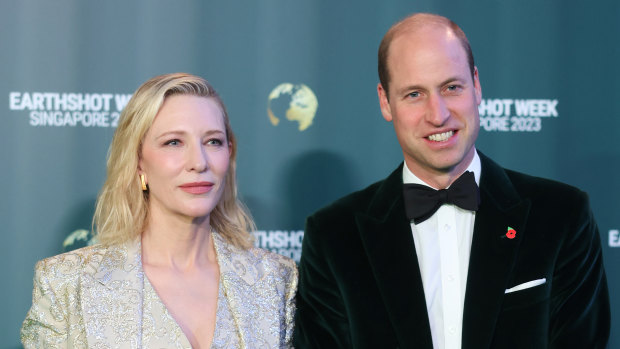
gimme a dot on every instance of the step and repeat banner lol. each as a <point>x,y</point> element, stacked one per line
<point>299,80</point>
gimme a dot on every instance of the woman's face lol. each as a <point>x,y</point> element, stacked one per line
<point>185,157</point>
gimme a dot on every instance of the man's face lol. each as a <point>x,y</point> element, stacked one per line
<point>433,103</point>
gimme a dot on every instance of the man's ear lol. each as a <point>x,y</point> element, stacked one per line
<point>384,103</point>
<point>477,87</point>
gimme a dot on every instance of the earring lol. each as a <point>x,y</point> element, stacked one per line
<point>143,182</point>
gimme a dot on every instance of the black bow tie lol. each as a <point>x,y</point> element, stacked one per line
<point>421,202</point>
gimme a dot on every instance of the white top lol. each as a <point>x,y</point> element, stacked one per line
<point>442,244</point>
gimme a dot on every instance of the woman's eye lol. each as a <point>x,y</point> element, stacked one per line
<point>174,142</point>
<point>215,141</point>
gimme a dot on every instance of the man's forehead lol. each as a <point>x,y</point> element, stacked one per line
<point>423,32</point>
<point>437,37</point>
<point>433,42</point>
<point>423,60</point>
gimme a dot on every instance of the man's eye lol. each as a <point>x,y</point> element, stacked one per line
<point>414,94</point>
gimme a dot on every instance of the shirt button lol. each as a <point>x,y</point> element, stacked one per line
<point>447,227</point>
<point>450,277</point>
<point>452,330</point>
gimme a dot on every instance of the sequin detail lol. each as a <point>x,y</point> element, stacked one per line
<point>97,297</point>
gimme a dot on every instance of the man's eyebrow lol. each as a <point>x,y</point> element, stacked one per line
<point>452,79</point>
<point>420,87</point>
<point>410,88</point>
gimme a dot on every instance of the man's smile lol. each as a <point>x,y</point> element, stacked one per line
<point>441,137</point>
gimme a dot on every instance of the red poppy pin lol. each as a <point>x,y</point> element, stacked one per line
<point>511,233</point>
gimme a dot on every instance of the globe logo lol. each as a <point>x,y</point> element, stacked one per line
<point>299,104</point>
<point>77,239</point>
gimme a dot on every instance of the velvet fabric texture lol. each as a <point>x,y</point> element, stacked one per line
<point>360,284</point>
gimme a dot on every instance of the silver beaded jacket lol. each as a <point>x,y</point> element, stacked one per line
<point>99,297</point>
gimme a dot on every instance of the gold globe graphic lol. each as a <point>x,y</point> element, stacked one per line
<point>78,238</point>
<point>301,106</point>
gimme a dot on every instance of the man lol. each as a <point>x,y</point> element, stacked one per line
<point>519,267</point>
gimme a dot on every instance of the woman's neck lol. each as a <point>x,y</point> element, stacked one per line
<point>174,242</point>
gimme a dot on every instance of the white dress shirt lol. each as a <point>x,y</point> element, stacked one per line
<point>442,244</point>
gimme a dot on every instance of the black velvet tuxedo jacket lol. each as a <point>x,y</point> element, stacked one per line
<point>360,284</point>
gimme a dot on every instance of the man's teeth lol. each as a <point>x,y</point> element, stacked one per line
<point>440,137</point>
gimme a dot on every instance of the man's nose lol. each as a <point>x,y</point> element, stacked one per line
<point>438,111</point>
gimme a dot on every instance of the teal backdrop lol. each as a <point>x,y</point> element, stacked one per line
<point>548,71</point>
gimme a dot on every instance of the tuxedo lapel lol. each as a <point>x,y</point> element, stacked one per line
<point>493,254</point>
<point>387,239</point>
<point>111,296</point>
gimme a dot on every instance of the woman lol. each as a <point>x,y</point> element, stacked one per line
<point>175,266</point>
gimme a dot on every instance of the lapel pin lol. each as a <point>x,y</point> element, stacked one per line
<point>511,233</point>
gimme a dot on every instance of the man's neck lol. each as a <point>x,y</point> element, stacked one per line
<point>443,179</point>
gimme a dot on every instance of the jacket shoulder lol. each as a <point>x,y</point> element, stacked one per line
<point>274,262</point>
<point>525,185</point>
<point>70,264</point>
<point>537,187</point>
<point>346,205</point>
<point>55,315</point>
<point>254,263</point>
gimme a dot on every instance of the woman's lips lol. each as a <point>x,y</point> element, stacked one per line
<point>197,187</point>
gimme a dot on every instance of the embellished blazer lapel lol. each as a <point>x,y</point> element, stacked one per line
<point>112,294</point>
<point>237,269</point>
<point>388,242</point>
<point>259,290</point>
<point>235,263</point>
<point>493,254</point>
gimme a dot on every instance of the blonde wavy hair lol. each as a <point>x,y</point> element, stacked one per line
<point>122,207</point>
